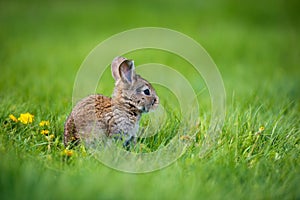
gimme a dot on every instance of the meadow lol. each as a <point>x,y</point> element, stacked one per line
<point>256,48</point>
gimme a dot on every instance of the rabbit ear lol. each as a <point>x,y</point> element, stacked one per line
<point>127,71</point>
<point>123,69</point>
<point>115,67</point>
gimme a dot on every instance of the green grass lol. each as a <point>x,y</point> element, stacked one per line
<point>255,46</point>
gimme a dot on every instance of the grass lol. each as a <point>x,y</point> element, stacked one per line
<point>255,46</point>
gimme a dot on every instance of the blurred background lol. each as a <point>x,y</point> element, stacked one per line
<point>255,45</point>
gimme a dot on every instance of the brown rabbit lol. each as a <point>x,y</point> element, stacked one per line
<point>98,116</point>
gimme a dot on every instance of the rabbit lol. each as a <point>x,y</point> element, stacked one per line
<point>97,116</point>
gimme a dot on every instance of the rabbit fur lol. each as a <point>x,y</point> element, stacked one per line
<point>98,116</point>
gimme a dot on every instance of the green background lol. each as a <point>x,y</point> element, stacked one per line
<point>255,45</point>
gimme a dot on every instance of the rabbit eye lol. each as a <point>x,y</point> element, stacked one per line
<point>147,92</point>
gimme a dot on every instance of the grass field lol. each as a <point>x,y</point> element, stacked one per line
<point>254,44</point>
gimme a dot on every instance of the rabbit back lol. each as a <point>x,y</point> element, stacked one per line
<point>90,117</point>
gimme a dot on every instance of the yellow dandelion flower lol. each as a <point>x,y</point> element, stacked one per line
<point>45,132</point>
<point>26,118</point>
<point>68,152</point>
<point>50,137</point>
<point>44,123</point>
<point>262,128</point>
<point>13,118</point>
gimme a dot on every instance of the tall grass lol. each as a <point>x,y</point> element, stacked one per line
<point>255,47</point>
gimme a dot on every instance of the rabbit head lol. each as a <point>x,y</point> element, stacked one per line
<point>131,88</point>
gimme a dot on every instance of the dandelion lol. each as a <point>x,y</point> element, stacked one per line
<point>260,130</point>
<point>45,132</point>
<point>44,123</point>
<point>26,118</point>
<point>68,152</point>
<point>13,118</point>
<point>50,137</point>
